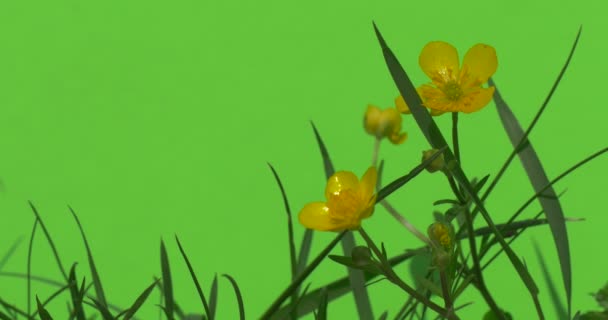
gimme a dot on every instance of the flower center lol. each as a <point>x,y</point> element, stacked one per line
<point>452,90</point>
<point>344,206</point>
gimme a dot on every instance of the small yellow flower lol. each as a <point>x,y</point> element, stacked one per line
<point>348,202</point>
<point>441,235</point>
<point>384,123</point>
<point>455,89</point>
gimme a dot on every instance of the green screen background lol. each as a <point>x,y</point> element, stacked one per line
<point>155,118</point>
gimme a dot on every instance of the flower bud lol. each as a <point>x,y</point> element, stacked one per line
<point>435,165</point>
<point>384,124</point>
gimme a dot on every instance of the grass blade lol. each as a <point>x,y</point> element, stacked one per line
<point>399,182</point>
<point>538,178</point>
<point>52,297</point>
<point>3,316</point>
<point>76,295</point>
<point>101,297</point>
<point>239,297</point>
<point>167,283</point>
<point>29,267</point>
<point>431,132</point>
<point>357,279</point>
<point>44,315</point>
<point>560,309</point>
<point>10,308</point>
<point>213,298</point>
<point>139,301</point>
<point>301,277</point>
<point>304,251</point>
<point>10,252</point>
<point>322,312</point>
<point>292,246</point>
<point>50,241</point>
<point>194,279</point>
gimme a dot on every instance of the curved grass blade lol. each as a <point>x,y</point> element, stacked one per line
<point>167,283</point>
<point>194,279</point>
<point>357,280</point>
<point>213,298</point>
<point>52,297</point>
<point>10,252</point>
<point>239,297</point>
<point>29,267</point>
<point>300,278</point>
<point>399,182</point>
<point>49,240</point>
<point>433,135</point>
<point>76,295</point>
<point>139,301</point>
<point>99,292</point>
<point>560,309</point>
<point>44,315</point>
<point>292,246</point>
<point>538,178</point>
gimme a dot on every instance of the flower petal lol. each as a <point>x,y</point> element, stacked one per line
<point>476,99</point>
<point>397,138</point>
<point>439,60</point>
<point>478,65</point>
<point>339,181</point>
<point>435,99</point>
<point>367,187</point>
<point>315,215</point>
<point>401,105</point>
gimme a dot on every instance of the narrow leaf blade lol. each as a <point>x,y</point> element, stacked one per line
<point>139,301</point>
<point>239,297</point>
<point>167,282</point>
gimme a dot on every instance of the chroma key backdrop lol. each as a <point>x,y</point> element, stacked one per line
<point>458,167</point>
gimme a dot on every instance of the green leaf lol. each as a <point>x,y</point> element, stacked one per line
<point>560,309</point>
<point>537,175</point>
<point>357,280</point>
<point>49,240</point>
<point>431,132</point>
<point>139,301</point>
<point>75,294</point>
<point>29,266</point>
<point>44,314</point>
<point>239,298</point>
<point>167,282</point>
<point>10,252</point>
<point>201,295</point>
<point>491,316</point>
<point>371,267</point>
<point>292,246</point>
<point>383,316</point>
<point>213,299</point>
<point>101,297</point>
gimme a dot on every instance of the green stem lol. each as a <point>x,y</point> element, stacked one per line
<point>446,290</point>
<point>394,278</point>
<point>455,136</point>
<point>376,151</point>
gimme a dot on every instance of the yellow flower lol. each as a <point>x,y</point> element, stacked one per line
<point>441,235</point>
<point>384,123</point>
<point>455,89</point>
<point>348,202</point>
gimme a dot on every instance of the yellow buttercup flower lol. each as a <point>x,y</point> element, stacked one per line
<point>348,202</point>
<point>455,89</point>
<point>384,123</point>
